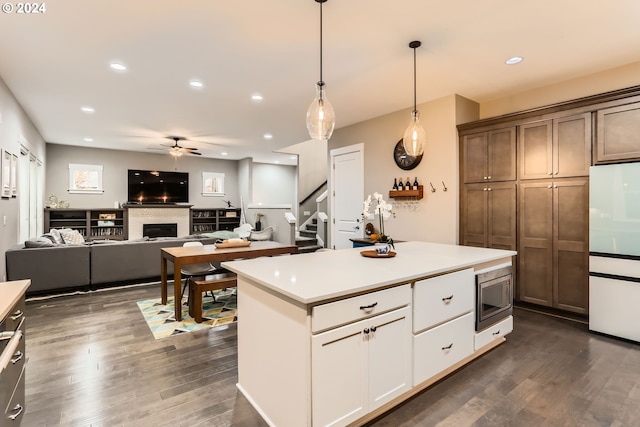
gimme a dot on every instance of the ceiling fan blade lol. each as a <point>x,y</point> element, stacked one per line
<point>187,148</point>
<point>194,152</point>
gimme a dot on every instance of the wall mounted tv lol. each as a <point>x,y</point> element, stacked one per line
<point>157,187</point>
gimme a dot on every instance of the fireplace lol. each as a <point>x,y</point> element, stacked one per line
<point>160,230</point>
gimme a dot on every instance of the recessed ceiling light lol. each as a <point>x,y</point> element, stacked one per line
<point>267,136</point>
<point>224,153</point>
<point>256,97</point>
<point>196,83</point>
<point>277,162</point>
<point>514,60</point>
<point>88,139</point>
<point>117,66</point>
<point>293,157</point>
<point>87,109</point>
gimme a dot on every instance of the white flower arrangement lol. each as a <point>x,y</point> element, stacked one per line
<point>381,208</point>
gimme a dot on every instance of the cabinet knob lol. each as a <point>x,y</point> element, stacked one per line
<point>484,177</point>
<point>366,330</point>
<point>489,189</point>
<point>448,347</point>
<point>18,314</point>
<point>496,332</point>
<point>18,410</point>
<point>488,177</point>
<point>373,328</point>
<point>555,173</point>
<point>484,189</point>
<point>550,173</point>
<point>549,186</point>
<point>447,300</point>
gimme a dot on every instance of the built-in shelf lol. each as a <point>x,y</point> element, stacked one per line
<point>398,194</point>
<point>91,223</point>
<point>208,220</point>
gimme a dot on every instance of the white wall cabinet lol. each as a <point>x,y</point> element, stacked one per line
<point>358,367</point>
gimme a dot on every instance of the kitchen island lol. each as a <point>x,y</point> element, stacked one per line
<point>336,338</point>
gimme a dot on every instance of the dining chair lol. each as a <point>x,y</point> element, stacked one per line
<point>195,270</point>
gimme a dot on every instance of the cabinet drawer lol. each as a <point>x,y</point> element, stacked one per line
<point>12,414</point>
<point>15,364</point>
<point>14,317</point>
<point>494,332</point>
<point>442,298</point>
<point>337,313</point>
<point>441,347</point>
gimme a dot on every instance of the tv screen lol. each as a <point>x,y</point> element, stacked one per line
<point>156,187</point>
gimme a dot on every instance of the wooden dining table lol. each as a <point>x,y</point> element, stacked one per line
<point>181,255</point>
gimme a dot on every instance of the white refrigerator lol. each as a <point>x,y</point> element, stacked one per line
<point>614,250</point>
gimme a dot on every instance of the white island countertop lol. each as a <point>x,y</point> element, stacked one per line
<point>320,276</point>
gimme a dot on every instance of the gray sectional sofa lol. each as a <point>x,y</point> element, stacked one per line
<point>91,265</point>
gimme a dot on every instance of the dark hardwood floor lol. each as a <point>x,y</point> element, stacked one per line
<point>93,362</point>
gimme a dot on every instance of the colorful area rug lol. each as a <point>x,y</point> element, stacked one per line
<point>162,322</point>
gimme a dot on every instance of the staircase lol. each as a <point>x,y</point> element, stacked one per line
<point>306,241</point>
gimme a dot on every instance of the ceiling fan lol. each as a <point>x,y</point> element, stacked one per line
<point>178,150</point>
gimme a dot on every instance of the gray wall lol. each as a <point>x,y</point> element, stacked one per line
<point>114,176</point>
<point>15,128</point>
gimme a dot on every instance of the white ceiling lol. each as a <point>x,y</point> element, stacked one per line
<point>58,61</point>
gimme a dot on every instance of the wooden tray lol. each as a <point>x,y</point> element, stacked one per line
<point>374,254</point>
<point>228,244</point>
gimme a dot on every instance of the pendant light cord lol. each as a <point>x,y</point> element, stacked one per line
<point>415,104</point>
<point>321,82</point>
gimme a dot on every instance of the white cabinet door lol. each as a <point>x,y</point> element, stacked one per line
<point>339,375</point>
<point>359,367</point>
<point>389,356</point>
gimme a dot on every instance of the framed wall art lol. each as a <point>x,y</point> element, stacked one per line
<point>212,184</point>
<point>85,179</point>
<point>5,178</point>
<point>13,181</point>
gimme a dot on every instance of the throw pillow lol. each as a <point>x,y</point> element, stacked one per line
<point>71,237</point>
<point>49,236</point>
<point>57,238</point>
<point>38,242</point>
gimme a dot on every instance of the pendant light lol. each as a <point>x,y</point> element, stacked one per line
<point>415,136</point>
<point>320,116</point>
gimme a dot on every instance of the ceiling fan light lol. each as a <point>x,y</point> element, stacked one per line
<point>415,136</point>
<point>321,118</point>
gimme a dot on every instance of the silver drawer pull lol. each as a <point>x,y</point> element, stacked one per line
<point>367,307</point>
<point>496,332</point>
<point>447,300</point>
<point>18,408</point>
<point>18,314</point>
<point>17,357</point>
<point>448,347</point>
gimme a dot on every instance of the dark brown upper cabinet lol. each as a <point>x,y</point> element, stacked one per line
<point>556,148</point>
<point>489,156</point>
<point>618,134</point>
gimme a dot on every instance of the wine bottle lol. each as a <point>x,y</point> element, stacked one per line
<point>407,185</point>
<point>400,185</point>
<point>395,184</point>
<point>415,183</point>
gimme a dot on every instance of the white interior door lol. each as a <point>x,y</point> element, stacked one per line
<point>347,195</point>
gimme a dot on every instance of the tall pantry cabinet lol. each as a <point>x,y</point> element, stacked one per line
<point>529,192</point>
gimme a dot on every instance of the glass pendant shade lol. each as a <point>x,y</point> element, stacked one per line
<point>321,118</point>
<point>414,137</point>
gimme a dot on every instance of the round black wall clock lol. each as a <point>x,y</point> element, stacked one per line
<point>403,160</point>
